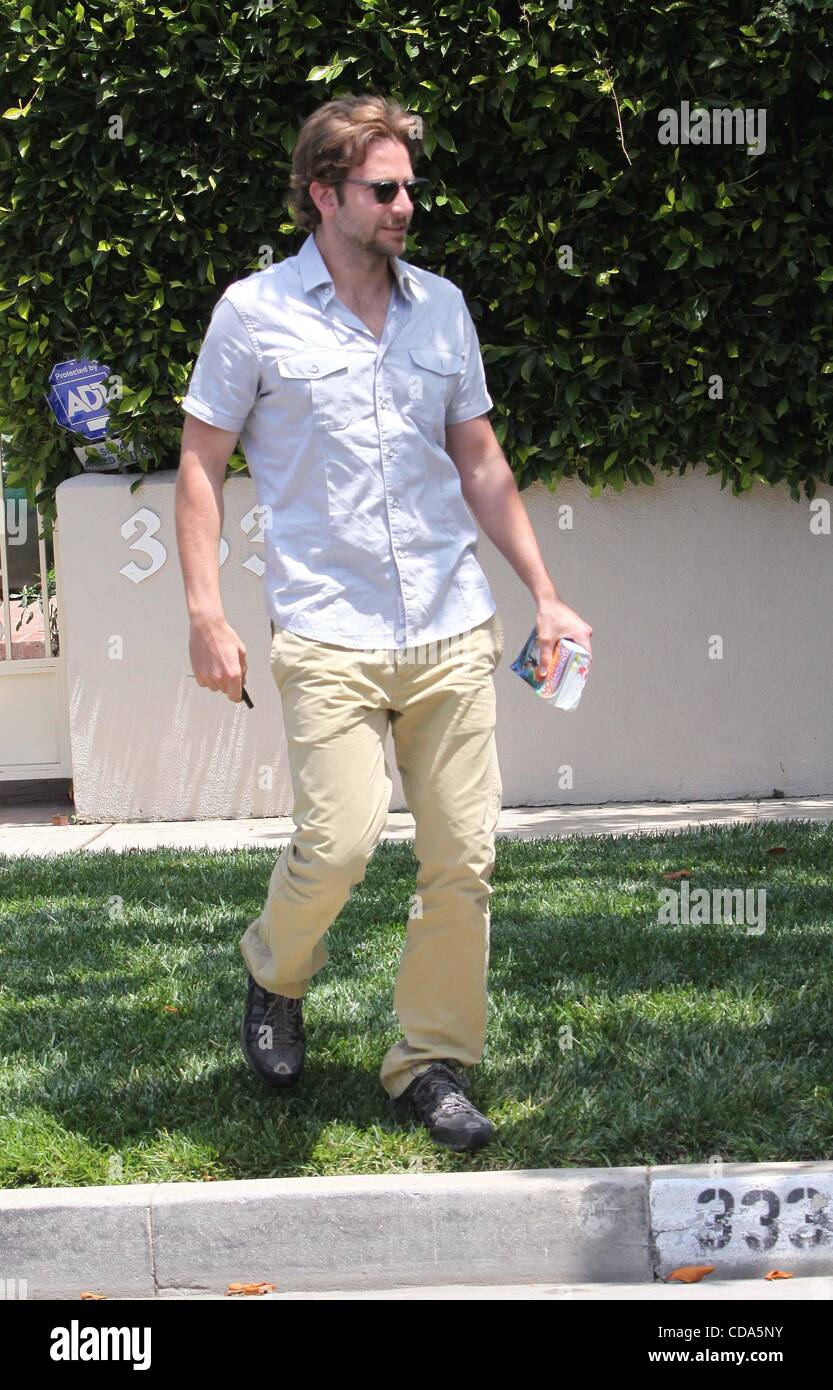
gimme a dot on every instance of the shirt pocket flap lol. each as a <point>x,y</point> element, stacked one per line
<point>312,365</point>
<point>446,363</point>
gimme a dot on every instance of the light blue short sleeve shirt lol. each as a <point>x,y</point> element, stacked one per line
<point>368,541</point>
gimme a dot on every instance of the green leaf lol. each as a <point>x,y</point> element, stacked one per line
<point>444,139</point>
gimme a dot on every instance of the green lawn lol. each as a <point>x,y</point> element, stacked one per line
<point>612,1039</point>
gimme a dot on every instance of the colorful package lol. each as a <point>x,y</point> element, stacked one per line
<point>565,682</point>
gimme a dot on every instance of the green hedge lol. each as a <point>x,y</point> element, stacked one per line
<point>688,260</point>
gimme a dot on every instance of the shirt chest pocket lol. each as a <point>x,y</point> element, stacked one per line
<point>317,386</point>
<point>432,380</point>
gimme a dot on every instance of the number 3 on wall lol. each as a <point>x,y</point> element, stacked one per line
<point>145,544</point>
<point>147,523</point>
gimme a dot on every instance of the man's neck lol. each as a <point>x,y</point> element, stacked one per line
<point>360,281</point>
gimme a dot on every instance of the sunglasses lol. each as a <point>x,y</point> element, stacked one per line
<point>387,189</point>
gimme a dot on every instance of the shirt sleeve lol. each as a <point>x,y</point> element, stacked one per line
<point>470,396</point>
<point>225,380</point>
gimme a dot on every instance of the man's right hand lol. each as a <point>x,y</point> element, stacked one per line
<point>218,657</point>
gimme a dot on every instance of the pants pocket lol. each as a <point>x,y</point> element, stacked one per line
<point>499,637</point>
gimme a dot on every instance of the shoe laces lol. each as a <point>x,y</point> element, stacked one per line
<point>441,1086</point>
<point>283,1016</point>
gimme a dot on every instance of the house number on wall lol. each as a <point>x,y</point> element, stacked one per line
<point>144,524</point>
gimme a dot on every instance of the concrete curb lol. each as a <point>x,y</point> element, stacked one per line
<point>530,1226</point>
<point>709,1290</point>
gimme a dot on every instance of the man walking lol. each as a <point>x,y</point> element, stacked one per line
<point>355,383</point>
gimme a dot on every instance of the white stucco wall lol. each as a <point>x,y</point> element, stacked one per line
<point>659,572</point>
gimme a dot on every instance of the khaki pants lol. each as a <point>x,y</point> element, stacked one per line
<point>439,701</point>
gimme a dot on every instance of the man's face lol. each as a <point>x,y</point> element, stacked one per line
<point>360,220</point>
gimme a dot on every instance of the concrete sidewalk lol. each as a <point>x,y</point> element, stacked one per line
<point>376,1232</point>
<point>26,829</point>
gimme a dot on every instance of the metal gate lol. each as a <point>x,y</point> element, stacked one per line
<point>34,710</point>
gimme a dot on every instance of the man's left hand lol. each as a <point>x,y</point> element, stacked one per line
<point>554,620</point>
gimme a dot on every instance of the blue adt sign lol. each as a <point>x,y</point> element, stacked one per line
<point>78,397</point>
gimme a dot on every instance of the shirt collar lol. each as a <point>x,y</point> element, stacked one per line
<point>314,270</point>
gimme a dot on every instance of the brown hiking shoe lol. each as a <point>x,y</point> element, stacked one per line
<point>272,1035</point>
<point>436,1098</point>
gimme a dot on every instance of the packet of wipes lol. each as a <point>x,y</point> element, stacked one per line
<point>564,685</point>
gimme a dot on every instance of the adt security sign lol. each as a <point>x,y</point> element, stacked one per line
<point>78,397</point>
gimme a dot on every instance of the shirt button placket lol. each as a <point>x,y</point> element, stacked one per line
<point>393,504</point>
